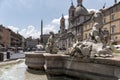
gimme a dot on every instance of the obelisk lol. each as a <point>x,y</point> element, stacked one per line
<point>41,36</point>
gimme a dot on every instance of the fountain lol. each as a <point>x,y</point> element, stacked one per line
<point>86,61</point>
<point>90,60</point>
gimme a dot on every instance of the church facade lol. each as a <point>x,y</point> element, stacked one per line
<point>77,16</point>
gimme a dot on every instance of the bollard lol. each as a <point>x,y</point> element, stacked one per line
<point>1,56</point>
<point>8,55</point>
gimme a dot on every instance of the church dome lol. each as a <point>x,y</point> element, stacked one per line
<point>80,9</point>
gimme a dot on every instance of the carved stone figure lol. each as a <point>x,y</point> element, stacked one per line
<point>51,46</point>
<point>80,49</point>
<point>97,43</point>
<point>99,37</point>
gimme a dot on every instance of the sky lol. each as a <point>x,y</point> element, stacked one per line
<point>24,16</point>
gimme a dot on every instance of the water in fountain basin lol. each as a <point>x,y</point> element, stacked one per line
<point>19,71</point>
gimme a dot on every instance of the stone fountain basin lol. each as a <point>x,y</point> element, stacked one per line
<point>35,60</point>
<point>59,64</point>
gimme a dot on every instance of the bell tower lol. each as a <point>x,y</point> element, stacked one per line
<point>79,1</point>
<point>71,10</point>
<point>71,13</point>
<point>62,24</point>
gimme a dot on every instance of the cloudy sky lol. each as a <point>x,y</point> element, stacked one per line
<point>24,16</point>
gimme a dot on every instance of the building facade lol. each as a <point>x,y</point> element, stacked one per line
<point>77,17</point>
<point>112,21</point>
<point>8,38</point>
<point>81,23</point>
<point>1,35</point>
<point>31,43</point>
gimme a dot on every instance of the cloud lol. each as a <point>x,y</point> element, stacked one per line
<point>56,21</point>
<point>50,27</point>
<point>26,32</point>
<point>66,19</point>
<point>55,25</point>
<point>89,10</point>
<point>15,29</point>
<point>32,31</point>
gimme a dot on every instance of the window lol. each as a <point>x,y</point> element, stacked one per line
<point>112,10</point>
<point>104,20</point>
<point>112,17</point>
<point>112,29</point>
